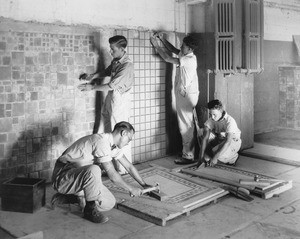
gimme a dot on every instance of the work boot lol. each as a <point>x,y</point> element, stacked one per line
<point>59,198</point>
<point>92,212</point>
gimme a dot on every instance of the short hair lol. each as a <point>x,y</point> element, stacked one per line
<point>215,104</point>
<point>190,41</point>
<point>123,125</point>
<point>119,40</point>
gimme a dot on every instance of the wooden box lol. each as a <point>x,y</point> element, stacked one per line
<point>23,194</point>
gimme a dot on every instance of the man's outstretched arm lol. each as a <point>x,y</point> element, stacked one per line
<point>116,178</point>
<point>131,169</point>
<point>166,43</point>
<point>204,142</point>
<point>166,57</point>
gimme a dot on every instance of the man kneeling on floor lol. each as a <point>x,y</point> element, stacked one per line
<point>78,172</point>
<point>221,137</point>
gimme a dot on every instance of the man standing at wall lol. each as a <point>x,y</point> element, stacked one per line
<point>117,104</point>
<point>186,89</point>
<point>78,171</point>
<point>221,138</point>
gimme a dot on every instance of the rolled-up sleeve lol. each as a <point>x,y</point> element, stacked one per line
<point>123,78</point>
<point>102,154</point>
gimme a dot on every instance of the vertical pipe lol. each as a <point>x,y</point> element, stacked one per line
<point>185,15</point>
<point>230,57</point>
<point>175,28</point>
<point>224,55</point>
<point>261,33</point>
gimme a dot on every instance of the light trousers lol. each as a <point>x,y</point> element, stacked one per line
<point>86,180</point>
<point>116,108</point>
<point>230,155</point>
<point>184,107</point>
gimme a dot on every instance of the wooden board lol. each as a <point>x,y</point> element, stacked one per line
<point>232,175</point>
<point>183,195</point>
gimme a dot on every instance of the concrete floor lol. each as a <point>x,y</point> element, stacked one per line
<point>287,138</point>
<point>278,217</point>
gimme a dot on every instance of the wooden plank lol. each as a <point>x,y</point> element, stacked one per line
<point>153,211</point>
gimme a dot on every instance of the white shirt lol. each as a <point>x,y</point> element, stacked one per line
<point>226,125</point>
<point>92,149</point>
<point>188,79</point>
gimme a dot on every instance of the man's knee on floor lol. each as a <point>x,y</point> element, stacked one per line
<point>108,202</point>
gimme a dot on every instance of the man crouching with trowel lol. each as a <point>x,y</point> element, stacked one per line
<point>221,137</point>
<point>78,171</point>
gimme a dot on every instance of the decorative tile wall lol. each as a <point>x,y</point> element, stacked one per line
<point>42,112</point>
<point>289,97</point>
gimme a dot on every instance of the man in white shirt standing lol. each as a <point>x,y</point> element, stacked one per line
<point>186,89</point>
<point>221,138</point>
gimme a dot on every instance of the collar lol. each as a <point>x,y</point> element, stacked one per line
<point>224,116</point>
<point>123,59</point>
<point>189,54</point>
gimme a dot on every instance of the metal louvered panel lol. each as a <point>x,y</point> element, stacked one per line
<point>225,54</point>
<point>225,35</point>
<point>225,18</point>
<point>254,57</point>
<point>254,18</point>
<point>253,35</point>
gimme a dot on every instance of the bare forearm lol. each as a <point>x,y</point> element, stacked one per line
<point>117,179</point>
<point>163,54</point>
<point>104,87</point>
<point>203,148</point>
<point>135,174</point>
<point>169,46</point>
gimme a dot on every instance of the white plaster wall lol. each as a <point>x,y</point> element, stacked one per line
<point>282,19</point>
<point>180,17</point>
<point>154,14</point>
<point>197,18</point>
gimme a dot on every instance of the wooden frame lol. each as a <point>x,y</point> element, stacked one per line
<point>232,176</point>
<point>185,194</point>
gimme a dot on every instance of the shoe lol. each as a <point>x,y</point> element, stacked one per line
<point>59,198</point>
<point>93,214</point>
<point>184,161</point>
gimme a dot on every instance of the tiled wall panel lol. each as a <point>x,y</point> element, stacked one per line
<point>148,114</point>
<point>42,112</point>
<point>289,97</point>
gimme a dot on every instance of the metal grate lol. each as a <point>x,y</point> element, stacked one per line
<point>254,18</point>
<point>225,18</point>
<point>254,56</point>
<point>225,32</point>
<point>253,35</point>
<point>225,53</point>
